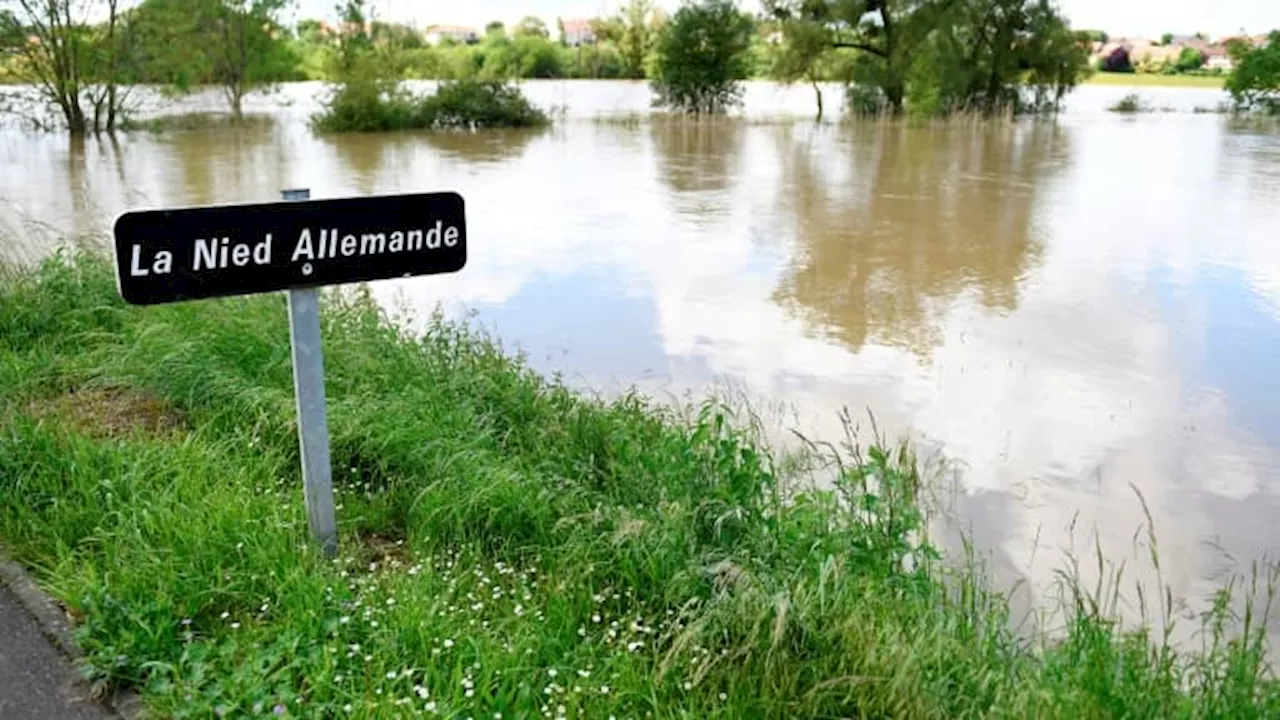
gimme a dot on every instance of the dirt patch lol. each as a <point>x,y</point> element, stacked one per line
<point>384,551</point>
<point>111,412</point>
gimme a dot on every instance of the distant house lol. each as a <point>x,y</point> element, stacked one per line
<point>578,32</point>
<point>437,34</point>
<point>1216,57</point>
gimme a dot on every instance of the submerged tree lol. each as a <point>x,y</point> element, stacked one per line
<point>1254,83</point>
<point>236,44</point>
<point>945,55</point>
<point>75,67</point>
<point>702,58</point>
<point>805,48</point>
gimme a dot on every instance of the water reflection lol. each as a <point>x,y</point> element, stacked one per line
<point>482,147</point>
<point>894,222</point>
<point>698,160</point>
<point>225,164</point>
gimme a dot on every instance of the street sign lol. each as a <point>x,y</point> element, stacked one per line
<point>165,256</point>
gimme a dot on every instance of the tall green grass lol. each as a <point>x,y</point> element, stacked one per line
<point>509,546</point>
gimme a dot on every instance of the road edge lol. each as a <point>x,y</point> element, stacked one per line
<point>56,628</point>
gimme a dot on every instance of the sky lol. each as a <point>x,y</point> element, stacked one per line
<point>1117,17</point>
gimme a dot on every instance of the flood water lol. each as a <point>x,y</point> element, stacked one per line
<point>1070,312</point>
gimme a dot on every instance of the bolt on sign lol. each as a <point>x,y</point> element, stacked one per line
<point>165,256</point>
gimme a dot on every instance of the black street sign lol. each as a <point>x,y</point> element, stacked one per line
<point>166,256</point>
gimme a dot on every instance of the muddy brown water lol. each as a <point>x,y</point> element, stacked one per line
<point>1071,312</point>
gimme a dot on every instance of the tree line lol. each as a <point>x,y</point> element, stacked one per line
<point>925,57</point>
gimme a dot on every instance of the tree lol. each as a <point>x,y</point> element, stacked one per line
<point>805,46</point>
<point>634,31</point>
<point>236,44</point>
<point>702,57</point>
<point>1117,61</point>
<point>247,51</point>
<point>887,32</point>
<point>1254,82</point>
<point>1189,59</point>
<point>1166,39</point>
<point>495,29</point>
<point>940,56</point>
<point>69,62</point>
<point>532,27</point>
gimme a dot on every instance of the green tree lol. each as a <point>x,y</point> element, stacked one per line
<point>946,55</point>
<point>1166,39</point>
<point>495,29</point>
<point>1254,82</point>
<point>246,48</point>
<point>532,27</point>
<point>702,58</point>
<point>1189,59</point>
<point>634,31</point>
<point>805,48</point>
<point>888,33</point>
<point>236,44</point>
<point>539,57</point>
<point>75,67</point>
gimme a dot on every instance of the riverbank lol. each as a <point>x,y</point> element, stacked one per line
<point>509,546</point>
<point>1152,80</point>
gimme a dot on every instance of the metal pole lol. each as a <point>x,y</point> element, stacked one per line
<point>313,429</point>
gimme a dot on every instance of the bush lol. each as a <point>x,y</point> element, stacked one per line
<point>369,106</point>
<point>1131,103</point>
<point>1190,59</point>
<point>478,104</point>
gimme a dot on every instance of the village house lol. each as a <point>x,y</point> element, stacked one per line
<point>437,34</point>
<point>577,32</point>
<point>1149,56</point>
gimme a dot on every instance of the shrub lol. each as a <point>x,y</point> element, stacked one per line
<point>371,106</point>
<point>1190,59</point>
<point>478,104</point>
<point>1131,103</point>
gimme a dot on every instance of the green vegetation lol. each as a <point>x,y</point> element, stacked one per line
<point>233,44</point>
<point>508,546</point>
<point>937,57</point>
<point>1254,84</point>
<point>369,95</point>
<point>702,58</point>
<point>624,49</point>
<point>805,53</point>
<point>1131,103</point>
<point>80,71</point>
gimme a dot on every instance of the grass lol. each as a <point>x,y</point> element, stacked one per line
<point>509,547</point>
<point>1153,80</point>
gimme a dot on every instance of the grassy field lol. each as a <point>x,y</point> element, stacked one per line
<point>510,548</point>
<point>1147,80</point>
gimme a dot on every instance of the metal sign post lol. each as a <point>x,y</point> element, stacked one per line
<point>313,427</point>
<point>298,245</point>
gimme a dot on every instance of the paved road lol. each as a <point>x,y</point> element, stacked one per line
<point>36,681</point>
